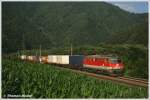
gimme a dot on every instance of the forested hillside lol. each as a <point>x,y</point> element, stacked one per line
<point>51,24</point>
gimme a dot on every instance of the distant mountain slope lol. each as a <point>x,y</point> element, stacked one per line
<point>27,25</point>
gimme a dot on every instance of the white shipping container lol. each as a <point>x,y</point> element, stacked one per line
<point>40,59</point>
<point>62,59</point>
<point>54,59</point>
<point>23,57</point>
<point>65,59</point>
<point>30,57</point>
<point>50,58</point>
<point>58,59</point>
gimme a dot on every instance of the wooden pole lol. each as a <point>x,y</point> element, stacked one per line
<point>71,49</point>
<point>40,53</point>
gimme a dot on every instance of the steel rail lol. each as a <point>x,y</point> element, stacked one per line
<point>135,79</point>
<point>120,80</point>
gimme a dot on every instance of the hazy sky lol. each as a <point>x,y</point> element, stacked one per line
<point>136,7</point>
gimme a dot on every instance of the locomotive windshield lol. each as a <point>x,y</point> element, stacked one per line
<point>115,61</point>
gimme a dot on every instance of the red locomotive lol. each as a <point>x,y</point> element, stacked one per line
<point>103,63</point>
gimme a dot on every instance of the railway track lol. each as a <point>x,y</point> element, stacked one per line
<point>135,81</point>
<point>121,80</point>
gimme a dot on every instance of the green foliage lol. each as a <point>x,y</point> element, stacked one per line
<point>48,81</point>
<point>27,25</point>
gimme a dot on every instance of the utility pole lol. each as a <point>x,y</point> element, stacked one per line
<point>18,54</point>
<point>71,49</point>
<point>23,43</point>
<point>36,53</point>
<point>40,53</point>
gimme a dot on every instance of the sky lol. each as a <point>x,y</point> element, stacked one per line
<point>134,7</point>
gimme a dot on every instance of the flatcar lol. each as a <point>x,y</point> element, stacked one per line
<point>103,63</point>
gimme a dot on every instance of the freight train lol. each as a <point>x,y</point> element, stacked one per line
<point>111,65</point>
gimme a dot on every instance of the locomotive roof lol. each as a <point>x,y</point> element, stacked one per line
<point>101,56</point>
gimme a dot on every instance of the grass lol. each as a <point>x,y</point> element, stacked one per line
<point>47,81</point>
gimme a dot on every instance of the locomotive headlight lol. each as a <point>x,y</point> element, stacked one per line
<point>117,66</point>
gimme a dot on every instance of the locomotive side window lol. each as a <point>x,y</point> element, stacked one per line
<point>96,60</point>
<point>114,61</point>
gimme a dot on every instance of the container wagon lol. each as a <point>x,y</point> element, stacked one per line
<point>66,59</point>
